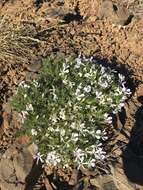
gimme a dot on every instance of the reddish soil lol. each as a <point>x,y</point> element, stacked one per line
<point>122,47</point>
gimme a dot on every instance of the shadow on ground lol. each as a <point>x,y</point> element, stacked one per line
<point>33,176</point>
<point>133,154</point>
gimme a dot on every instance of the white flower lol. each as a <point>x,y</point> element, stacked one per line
<point>33,132</point>
<point>75,137</point>
<point>65,166</point>
<point>107,118</point>
<point>98,134</point>
<point>91,59</point>
<point>99,154</point>
<point>37,116</point>
<point>120,106</point>
<point>87,88</point>
<point>54,118</point>
<point>65,68</point>
<point>79,155</point>
<point>51,129</point>
<point>47,135</point>
<point>85,132</point>
<point>121,77</point>
<point>93,67</point>
<point>23,116</point>
<point>91,149</point>
<point>118,92</point>
<point>53,158</point>
<point>109,78</point>
<point>73,125</point>
<point>58,129</point>
<point>35,83</point>
<point>80,74</point>
<point>55,97</point>
<point>76,108</point>
<point>62,114</point>
<point>98,94</point>
<point>109,99</point>
<point>126,91</point>
<point>65,81</point>
<point>62,132</point>
<point>91,163</point>
<point>115,111</point>
<point>104,136</point>
<point>88,106</point>
<point>77,92</point>
<point>78,63</point>
<point>123,98</point>
<point>23,84</point>
<point>38,157</point>
<point>54,93</point>
<point>104,84</point>
<point>80,86</point>
<point>97,151</point>
<point>69,103</point>
<point>87,75</point>
<point>70,84</point>
<point>79,97</point>
<point>29,107</point>
<point>102,100</point>
<point>102,70</point>
<point>25,95</point>
<point>82,125</point>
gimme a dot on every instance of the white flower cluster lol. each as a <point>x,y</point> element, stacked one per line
<point>69,111</point>
<point>24,113</point>
<point>53,158</point>
<point>87,158</point>
<point>23,84</point>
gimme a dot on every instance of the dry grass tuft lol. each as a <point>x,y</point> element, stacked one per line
<point>18,47</point>
<point>17,44</point>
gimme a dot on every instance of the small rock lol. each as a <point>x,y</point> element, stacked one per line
<point>7,170</point>
<point>121,180</point>
<point>74,178</point>
<point>116,181</point>
<point>116,13</point>
<point>11,186</point>
<point>23,163</point>
<point>10,152</point>
<point>94,182</point>
<point>35,67</point>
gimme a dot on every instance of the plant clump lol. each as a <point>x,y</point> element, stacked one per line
<point>65,110</point>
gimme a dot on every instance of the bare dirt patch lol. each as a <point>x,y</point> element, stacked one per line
<point>52,28</point>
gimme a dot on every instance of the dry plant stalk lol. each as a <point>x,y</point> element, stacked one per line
<point>16,44</point>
